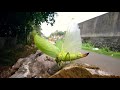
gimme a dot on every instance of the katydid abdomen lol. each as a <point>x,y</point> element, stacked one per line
<point>63,56</point>
<point>45,46</point>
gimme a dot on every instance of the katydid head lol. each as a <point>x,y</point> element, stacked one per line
<point>82,55</point>
<point>86,54</point>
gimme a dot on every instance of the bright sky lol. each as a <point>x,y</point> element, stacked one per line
<point>63,19</point>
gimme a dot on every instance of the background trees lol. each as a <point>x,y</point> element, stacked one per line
<point>19,24</point>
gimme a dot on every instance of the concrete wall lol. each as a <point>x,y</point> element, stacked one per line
<point>103,30</point>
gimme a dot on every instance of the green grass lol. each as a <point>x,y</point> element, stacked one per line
<point>105,50</point>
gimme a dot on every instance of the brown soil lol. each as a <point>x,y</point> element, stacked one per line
<point>78,72</point>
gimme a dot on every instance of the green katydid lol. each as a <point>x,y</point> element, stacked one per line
<point>66,50</point>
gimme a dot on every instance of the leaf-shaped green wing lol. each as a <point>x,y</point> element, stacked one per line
<point>59,43</point>
<point>45,46</point>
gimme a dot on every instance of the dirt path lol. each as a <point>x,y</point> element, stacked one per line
<point>106,63</point>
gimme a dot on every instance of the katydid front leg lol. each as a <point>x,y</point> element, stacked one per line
<point>67,57</point>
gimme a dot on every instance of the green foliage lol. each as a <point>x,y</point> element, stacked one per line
<point>105,50</point>
<point>87,46</point>
<point>58,33</point>
<point>19,24</point>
